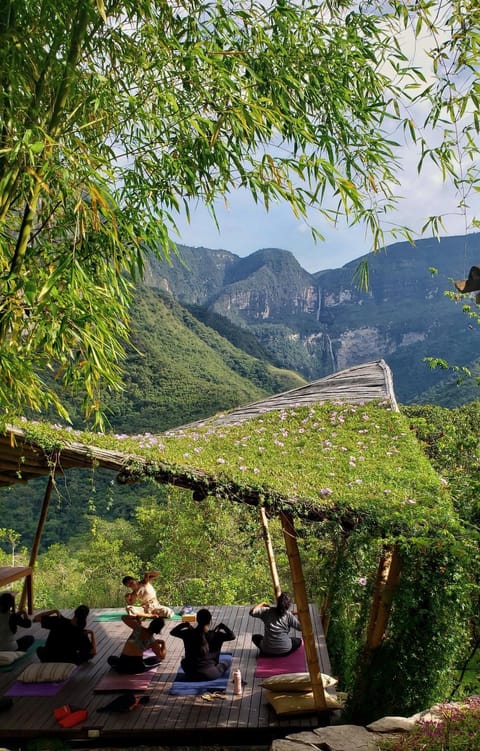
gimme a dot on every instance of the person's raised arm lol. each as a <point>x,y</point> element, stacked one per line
<point>22,619</point>
<point>150,575</point>
<point>159,648</point>
<point>293,622</point>
<point>181,628</point>
<point>225,631</point>
<point>132,621</point>
<point>38,617</point>
<point>255,609</point>
<point>88,632</point>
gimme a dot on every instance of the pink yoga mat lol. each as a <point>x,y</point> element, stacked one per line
<point>292,663</point>
<point>113,681</point>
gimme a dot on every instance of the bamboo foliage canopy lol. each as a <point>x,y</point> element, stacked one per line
<point>334,449</point>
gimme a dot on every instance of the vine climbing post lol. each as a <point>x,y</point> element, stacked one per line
<point>301,600</point>
<point>386,582</point>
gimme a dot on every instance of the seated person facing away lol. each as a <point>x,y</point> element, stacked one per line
<point>142,591</point>
<point>68,640</point>
<point>9,620</point>
<point>132,658</point>
<point>277,622</point>
<point>202,647</point>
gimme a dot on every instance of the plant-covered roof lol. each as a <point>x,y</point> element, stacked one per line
<point>353,462</point>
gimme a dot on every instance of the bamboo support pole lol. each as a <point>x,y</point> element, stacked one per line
<point>301,600</point>
<point>270,553</point>
<point>388,577</point>
<point>37,539</point>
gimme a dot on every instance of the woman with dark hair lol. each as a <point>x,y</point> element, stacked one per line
<point>202,647</point>
<point>277,622</point>
<point>68,640</point>
<point>9,620</point>
<point>132,659</point>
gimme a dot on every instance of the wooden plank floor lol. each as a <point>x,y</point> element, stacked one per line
<point>168,720</point>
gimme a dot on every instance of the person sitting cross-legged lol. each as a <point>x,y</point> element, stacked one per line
<point>143,592</point>
<point>132,659</point>
<point>277,621</point>
<point>202,661</point>
<point>68,640</point>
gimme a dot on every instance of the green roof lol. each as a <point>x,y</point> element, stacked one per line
<point>318,459</point>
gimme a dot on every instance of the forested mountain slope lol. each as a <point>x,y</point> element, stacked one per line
<point>177,370</point>
<point>320,323</point>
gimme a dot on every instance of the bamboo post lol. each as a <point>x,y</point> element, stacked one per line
<point>388,577</point>
<point>270,553</point>
<point>28,587</point>
<point>327,600</point>
<point>301,600</point>
<point>386,582</point>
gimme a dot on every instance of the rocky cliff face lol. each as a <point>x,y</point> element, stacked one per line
<point>319,323</point>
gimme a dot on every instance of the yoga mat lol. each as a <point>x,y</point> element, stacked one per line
<point>117,616</point>
<point>115,682</point>
<point>292,663</point>
<point>110,616</point>
<point>182,687</point>
<point>32,648</point>
<point>49,688</point>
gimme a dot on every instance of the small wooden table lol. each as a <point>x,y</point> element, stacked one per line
<point>9,574</point>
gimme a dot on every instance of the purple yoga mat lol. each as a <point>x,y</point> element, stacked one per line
<point>49,688</point>
<point>292,663</point>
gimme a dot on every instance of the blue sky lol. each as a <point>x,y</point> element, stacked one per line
<point>245,227</point>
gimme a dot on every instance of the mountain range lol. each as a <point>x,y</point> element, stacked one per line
<point>318,323</point>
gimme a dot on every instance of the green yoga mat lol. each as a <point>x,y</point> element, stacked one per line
<point>117,616</point>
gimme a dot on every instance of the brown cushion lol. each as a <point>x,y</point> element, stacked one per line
<point>291,682</point>
<point>298,703</point>
<point>39,672</point>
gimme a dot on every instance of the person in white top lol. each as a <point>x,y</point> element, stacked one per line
<point>143,592</point>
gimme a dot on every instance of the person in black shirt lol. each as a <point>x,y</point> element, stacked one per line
<point>68,640</point>
<point>202,647</point>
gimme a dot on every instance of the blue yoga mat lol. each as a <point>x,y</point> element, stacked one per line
<point>181,687</point>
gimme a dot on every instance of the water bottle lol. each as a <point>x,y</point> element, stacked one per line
<point>237,682</point>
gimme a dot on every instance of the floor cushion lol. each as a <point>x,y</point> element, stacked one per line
<point>44,672</point>
<point>298,703</point>
<point>292,682</point>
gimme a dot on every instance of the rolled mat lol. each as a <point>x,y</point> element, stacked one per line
<point>117,616</point>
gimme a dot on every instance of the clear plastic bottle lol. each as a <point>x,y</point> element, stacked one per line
<point>237,682</point>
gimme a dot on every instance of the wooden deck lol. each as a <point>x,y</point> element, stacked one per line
<point>165,720</point>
